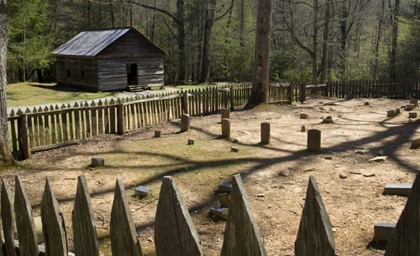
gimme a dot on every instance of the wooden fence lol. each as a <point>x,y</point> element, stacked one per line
<point>174,231</point>
<point>38,129</point>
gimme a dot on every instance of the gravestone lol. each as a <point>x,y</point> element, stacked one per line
<point>97,161</point>
<point>412,114</point>
<point>265,133</point>
<point>314,139</point>
<point>185,122</point>
<point>383,231</point>
<point>409,107</point>
<point>142,191</point>
<point>415,102</point>
<point>415,144</point>
<point>234,149</point>
<point>158,134</point>
<point>190,141</point>
<point>397,111</point>
<point>226,128</point>
<point>390,112</point>
<point>399,189</point>
<point>225,113</point>
<point>327,120</point>
<point>304,116</point>
<point>303,129</point>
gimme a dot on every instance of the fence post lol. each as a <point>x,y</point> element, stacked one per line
<point>290,92</point>
<point>225,98</point>
<point>24,137</point>
<point>120,119</point>
<point>185,102</point>
<point>231,99</point>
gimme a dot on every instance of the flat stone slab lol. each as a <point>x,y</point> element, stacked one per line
<point>142,191</point>
<point>383,231</point>
<point>399,189</point>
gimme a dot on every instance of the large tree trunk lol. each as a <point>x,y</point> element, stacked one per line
<point>260,76</point>
<point>343,40</point>
<point>5,152</point>
<point>377,42</point>
<point>205,66</point>
<point>315,44</point>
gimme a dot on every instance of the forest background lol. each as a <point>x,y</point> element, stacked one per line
<point>213,40</point>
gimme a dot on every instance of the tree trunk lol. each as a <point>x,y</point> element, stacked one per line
<point>394,40</point>
<point>5,152</point>
<point>181,41</point>
<point>343,40</point>
<point>205,66</point>
<point>377,42</point>
<point>315,44</point>
<point>260,76</point>
<point>325,42</point>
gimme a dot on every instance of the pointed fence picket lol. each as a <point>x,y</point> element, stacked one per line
<point>175,233</point>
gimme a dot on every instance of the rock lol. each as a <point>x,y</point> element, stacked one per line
<point>284,173</point>
<point>328,158</point>
<point>378,159</point>
<point>327,120</point>
<point>260,195</point>
<point>97,161</point>
<point>354,172</point>
<point>342,176</point>
<point>369,175</point>
<point>309,170</point>
<point>361,151</point>
<point>234,149</point>
<point>304,116</point>
<point>150,240</point>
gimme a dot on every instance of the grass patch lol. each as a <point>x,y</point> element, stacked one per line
<point>30,94</point>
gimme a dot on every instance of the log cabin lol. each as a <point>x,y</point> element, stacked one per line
<point>110,60</point>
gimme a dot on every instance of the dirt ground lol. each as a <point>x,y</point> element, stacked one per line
<point>354,204</point>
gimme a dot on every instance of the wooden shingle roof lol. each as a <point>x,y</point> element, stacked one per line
<point>90,43</point>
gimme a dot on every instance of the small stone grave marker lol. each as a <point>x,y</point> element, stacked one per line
<point>415,144</point>
<point>142,191</point>
<point>225,187</point>
<point>415,102</point>
<point>97,161</point>
<point>366,103</point>
<point>399,189</point>
<point>265,133</point>
<point>397,111</point>
<point>390,112</point>
<point>225,113</point>
<point>158,134</point>
<point>304,116</point>
<point>409,107</point>
<point>383,231</point>
<point>224,200</point>
<point>234,149</point>
<point>303,129</point>
<point>226,128</point>
<point>185,122</point>
<point>190,141</point>
<point>412,114</point>
<point>327,120</point>
<point>221,212</point>
<point>314,139</point>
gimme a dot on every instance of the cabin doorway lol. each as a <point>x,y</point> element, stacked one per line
<point>132,74</point>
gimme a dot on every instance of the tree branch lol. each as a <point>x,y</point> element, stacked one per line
<point>156,9</point>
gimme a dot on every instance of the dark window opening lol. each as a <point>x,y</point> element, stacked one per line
<point>83,75</point>
<point>132,74</point>
<point>68,73</point>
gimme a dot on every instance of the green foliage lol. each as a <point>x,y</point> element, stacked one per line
<point>30,44</point>
<point>280,62</point>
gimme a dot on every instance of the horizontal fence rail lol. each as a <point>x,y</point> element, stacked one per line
<point>37,129</point>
